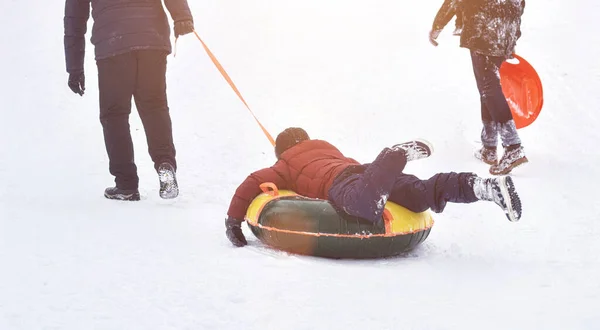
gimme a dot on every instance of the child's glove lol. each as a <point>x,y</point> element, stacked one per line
<point>234,232</point>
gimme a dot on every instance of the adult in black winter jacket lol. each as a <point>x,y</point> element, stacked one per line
<point>132,41</point>
<point>491,29</point>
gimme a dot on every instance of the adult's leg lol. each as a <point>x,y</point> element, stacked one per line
<point>419,195</point>
<point>151,101</point>
<point>489,132</point>
<point>116,83</point>
<point>490,89</point>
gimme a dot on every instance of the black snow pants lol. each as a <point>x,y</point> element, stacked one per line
<point>362,191</point>
<point>139,74</point>
<point>495,112</point>
<point>493,102</point>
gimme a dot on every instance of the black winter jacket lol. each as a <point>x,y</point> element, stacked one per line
<point>120,26</point>
<point>491,27</point>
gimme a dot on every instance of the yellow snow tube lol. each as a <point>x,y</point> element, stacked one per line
<point>294,223</point>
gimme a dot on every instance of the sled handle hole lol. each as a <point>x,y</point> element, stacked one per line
<point>513,61</point>
<point>270,188</point>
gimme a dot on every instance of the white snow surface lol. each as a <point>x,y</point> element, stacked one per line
<point>360,74</point>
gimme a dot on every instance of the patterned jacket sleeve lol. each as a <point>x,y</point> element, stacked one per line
<point>179,10</point>
<point>77,13</point>
<point>519,27</point>
<point>250,188</point>
<point>444,15</point>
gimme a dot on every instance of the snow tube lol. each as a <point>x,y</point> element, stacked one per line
<point>522,88</point>
<point>287,221</point>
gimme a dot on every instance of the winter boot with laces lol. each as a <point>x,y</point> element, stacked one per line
<point>416,149</point>
<point>168,182</point>
<point>487,155</point>
<point>513,157</point>
<point>500,190</point>
<point>122,194</point>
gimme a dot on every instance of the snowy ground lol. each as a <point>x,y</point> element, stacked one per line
<point>361,75</point>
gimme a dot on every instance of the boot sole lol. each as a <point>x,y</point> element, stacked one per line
<point>122,197</point>
<point>512,167</point>
<point>488,162</point>
<point>507,189</point>
<point>428,146</point>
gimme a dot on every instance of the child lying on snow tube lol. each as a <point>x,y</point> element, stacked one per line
<point>317,169</point>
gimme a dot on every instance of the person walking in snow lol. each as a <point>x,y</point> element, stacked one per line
<point>317,169</point>
<point>132,41</point>
<point>491,29</point>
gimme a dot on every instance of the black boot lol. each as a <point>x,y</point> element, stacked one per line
<point>122,194</point>
<point>500,190</point>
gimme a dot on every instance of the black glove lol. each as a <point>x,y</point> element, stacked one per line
<point>77,82</point>
<point>183,27</point>
<point>234,232</point>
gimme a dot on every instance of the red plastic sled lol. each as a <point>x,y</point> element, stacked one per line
<point>522,88</point>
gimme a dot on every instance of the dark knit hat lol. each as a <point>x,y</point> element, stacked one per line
<point>289,138</point>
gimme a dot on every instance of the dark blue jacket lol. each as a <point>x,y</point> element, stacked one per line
<point>120,26</point>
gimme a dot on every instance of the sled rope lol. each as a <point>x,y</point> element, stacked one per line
<point>232,85</point>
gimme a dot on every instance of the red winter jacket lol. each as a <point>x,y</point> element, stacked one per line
<point>308,168</point>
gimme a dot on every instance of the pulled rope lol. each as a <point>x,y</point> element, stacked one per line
<point>231,84</point>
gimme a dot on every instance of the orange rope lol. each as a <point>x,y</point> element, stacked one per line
<point>226,76</point>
